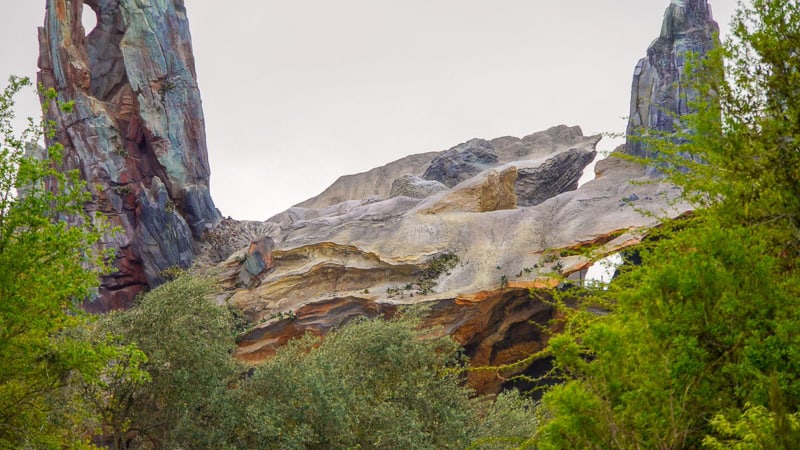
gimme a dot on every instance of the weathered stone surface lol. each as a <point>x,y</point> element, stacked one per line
<point>558,174</point>
<point>489,191</point>
<point>257,261</point>
<point>377,183</point>
<point>371,256</point>
<point>415,187</point>
<point>136,132</point>
<point>373,183</point>
<point>462,162</point>
<point>660,93</point>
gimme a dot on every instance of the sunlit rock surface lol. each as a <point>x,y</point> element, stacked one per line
<point>136,132</point>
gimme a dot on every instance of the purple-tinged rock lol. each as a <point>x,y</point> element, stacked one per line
<point>136,132</point>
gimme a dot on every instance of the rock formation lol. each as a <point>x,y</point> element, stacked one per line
<point>660,93</point>
<point>136,131</point>
<point>378,182</point>
<point>471,253</point>
<point>461,162</point>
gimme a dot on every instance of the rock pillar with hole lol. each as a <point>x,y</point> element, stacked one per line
<point>136,132</point>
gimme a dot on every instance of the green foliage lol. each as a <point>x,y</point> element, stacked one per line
<point>757,428</point>
<point>48,265</point>
<point>370,384</point>
<point>188,342</point>
<point>709,325</point>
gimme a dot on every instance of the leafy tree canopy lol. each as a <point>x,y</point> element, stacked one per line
<point>48,265</point>
<point>703,339</point>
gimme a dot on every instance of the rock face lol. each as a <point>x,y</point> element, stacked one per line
<point>461,162</point>
<point>558,174</point>
<point>660,92</point>
<point>136,132</point>
<point>416,187</point>
<point>472,253</point>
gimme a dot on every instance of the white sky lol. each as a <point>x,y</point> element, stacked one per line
<point>299,92</point>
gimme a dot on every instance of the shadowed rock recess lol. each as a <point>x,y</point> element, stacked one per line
<point>136,133</point>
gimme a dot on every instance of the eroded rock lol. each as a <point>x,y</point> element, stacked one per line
<point>136,131</point>
<point>462,162</point>
<point>660,93</point>
<point>415,187</point>
<point>558,174</point>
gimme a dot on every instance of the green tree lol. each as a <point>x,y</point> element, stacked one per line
<point>188,341</point>
<point>47,267</point>
<point>708,326</point>
<point>370,384</point>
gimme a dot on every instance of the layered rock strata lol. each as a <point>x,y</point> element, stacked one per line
<point>471,253</point>
<point>136,131</point>
<point>660,93</point>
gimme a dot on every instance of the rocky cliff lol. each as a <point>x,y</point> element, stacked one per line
<point>379,181</point>
<point>136,132</point>
<point>660,93</point>
<point>480,234</point>
<point>469,244</point>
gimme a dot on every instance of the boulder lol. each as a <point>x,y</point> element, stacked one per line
<point>558,174</point>
<point>415,187</point>
<point>462,162</point>
<point>257,262</point>
<point>489,191</point>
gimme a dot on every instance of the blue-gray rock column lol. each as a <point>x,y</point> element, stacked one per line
<point>136,133</point>
<point>660,93</point>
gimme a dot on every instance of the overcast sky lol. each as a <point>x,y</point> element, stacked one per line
<point>299,92</point>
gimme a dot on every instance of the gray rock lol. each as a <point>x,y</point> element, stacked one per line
<point>556,175</point>
<point>462,162</point>
<point>415,187</point>
<point>659,93</point>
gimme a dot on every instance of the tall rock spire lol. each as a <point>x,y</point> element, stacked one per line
<point>659,91</point>
<point>136,132</point>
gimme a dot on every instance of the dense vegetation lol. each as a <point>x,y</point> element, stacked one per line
<point>700,345</point>
<point>368,384</point>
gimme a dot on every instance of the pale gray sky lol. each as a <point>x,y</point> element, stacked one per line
<point>299,92</point>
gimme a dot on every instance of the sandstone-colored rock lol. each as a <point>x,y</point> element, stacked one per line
<point>371,255</point>
<point>491,191</point>
<point>136,131</point>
